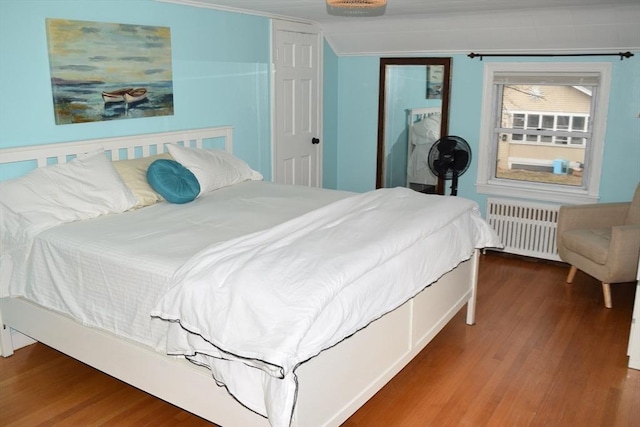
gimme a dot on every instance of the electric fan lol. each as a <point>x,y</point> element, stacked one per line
<point>449,157</point>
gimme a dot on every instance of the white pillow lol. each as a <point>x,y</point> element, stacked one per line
<point>213,168</point>
<point>83,188</point>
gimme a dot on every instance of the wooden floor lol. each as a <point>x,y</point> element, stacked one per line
<point>543,353</point>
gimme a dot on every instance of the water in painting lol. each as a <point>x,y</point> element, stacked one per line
<point>81,102</point>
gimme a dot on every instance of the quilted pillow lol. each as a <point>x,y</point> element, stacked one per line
<point>134,174</point>
<point>213,168</point>
<point>173,181</point>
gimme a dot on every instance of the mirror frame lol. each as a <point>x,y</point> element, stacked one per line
<point>444,125</point>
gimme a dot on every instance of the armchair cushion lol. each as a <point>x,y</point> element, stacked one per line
<point>591,243</point>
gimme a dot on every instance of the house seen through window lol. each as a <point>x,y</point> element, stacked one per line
<point>555,152</point>
<point>543,130</point>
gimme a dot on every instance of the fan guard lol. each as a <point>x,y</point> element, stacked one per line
<point>450,157</point>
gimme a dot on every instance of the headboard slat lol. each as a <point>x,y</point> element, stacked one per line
<point>417,114</point>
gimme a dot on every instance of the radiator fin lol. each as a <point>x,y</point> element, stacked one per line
<point>525,228</point>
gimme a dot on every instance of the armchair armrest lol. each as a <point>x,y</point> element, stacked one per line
<point>596,215</point>
<point>624,251</point>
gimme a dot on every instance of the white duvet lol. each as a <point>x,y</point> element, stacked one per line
<point>255,307</point>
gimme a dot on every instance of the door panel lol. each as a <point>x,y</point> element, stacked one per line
<point>288,107</point>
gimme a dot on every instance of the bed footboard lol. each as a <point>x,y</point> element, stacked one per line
<point>6,344</point>
<point>341,379</point>
<point>174,380</point>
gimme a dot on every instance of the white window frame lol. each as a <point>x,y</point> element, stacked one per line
<point>487,183</point>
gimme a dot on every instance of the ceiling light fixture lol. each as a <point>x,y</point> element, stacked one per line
<point>356,7</point>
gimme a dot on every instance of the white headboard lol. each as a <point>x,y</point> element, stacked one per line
<point>417,114</point>
<point>120,148</point>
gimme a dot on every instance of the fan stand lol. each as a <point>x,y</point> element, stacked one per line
<point>442,179</point>
<point>454,183</point>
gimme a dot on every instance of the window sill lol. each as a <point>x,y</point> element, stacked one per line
<point>565,196</point>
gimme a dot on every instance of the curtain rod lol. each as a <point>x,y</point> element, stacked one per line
<point>622,55</point>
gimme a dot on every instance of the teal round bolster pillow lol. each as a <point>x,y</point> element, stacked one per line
<point>174,182</point>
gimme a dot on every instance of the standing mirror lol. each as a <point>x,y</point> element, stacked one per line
<point>413,113</point>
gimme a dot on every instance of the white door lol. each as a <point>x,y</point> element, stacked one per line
<point>297,147</point>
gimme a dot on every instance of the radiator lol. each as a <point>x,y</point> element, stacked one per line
<point>525,228</point>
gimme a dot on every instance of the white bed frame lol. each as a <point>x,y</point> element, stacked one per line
<point>332,386</point>
<point>417,114</point>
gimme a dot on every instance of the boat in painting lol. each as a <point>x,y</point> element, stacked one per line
<point>126,95</point>
<point>115,96</point>
<point>135,95</point>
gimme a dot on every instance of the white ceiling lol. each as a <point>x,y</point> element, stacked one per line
<point>421,26</point>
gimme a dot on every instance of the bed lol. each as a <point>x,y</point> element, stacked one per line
<point>423,128</point>
<point>343,357</point>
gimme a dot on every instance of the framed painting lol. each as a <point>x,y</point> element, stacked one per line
<point>435,75</point>
<point>105,71</point>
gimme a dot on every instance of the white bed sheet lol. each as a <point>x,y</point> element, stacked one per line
<point>109,272</point>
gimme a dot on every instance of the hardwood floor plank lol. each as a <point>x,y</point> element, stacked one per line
<point>543,353</point>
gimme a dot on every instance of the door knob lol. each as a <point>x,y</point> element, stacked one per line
<point>315,141</point>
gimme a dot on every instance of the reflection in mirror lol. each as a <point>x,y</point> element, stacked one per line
<point>412,115</point>
<point>423,128</point>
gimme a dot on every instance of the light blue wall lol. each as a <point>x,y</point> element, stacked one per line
<point>221,77</point>
<point>330,118</point>
<point>357,127</point>
<point>220,73</point>
<point>357,122</point>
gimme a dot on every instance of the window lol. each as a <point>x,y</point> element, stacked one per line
<point>542,132</point>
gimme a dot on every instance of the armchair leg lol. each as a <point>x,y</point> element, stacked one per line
<point>572,274</point>
<point>606,290</point>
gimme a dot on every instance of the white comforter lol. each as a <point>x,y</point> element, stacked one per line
<point>275,298</point>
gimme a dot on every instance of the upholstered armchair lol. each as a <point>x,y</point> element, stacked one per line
<point>602,240</point>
